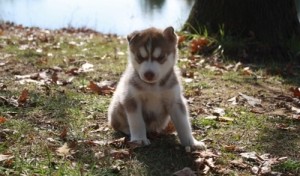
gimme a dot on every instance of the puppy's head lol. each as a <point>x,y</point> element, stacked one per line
<point>152,52</point>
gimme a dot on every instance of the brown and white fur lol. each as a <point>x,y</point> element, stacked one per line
<point>149,93</point>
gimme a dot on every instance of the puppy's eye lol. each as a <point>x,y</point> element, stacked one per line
<point>161,59</point>
<point>140,58</point>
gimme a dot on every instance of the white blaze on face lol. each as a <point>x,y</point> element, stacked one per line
<point>156,53</point>
<point>143,52</point>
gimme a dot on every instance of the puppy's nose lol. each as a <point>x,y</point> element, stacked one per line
<point>149,75</point>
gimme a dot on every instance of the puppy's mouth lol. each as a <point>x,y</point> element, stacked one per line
<point>149,77</point>
<point>149,81</point>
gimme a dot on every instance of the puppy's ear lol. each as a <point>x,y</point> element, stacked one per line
<point>169,33</point>
<point>131,37</point>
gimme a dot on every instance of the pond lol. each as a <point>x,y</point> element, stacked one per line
<point>107,16</point>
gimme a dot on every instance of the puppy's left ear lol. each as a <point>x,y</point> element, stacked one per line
<point>131,37</point>
<point>169,33</point>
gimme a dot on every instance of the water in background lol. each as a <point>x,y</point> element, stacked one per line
<point>106,16</point>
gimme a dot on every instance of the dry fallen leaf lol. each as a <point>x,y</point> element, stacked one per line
<point>86,67</point>
<point>96,142</point>
<point>23,97</point>
<point>239,163</point>
<point>185,172</point>
<point>3,86</point>
<point>118,143</point>
<point>120,154</point>
<point>296,110</point>
<point>249,155</point>
<point>233,100</point>
<point>237,66</point>
<point>218,112</point>
<point>210,162</point>
<point>63,150</point>
<point>205,153</point>
<point>5,157</point>
<point>251,100</point>
<point>296,117</point>
<point>283,126</point>
<point>225,119</point>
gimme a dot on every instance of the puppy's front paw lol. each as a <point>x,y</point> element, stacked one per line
<point>199,145</point>
<point>141,141</point>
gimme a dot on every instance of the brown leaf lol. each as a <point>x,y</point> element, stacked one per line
<point>296,91</point>
<point>234,148</point>
<point>258,110</point>
<point>181,39</point>
<point>104,89</point>
<point>2,119</point>
<point>72,71</point>
<point>54,78</point>
<point>94,87</point>
<point>170,128</point>
<point>64,133</point>
<point>247,71</point>
<point>198,44</point>
<point>23,97</point>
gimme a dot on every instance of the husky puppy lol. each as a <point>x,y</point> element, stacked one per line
<point>149,93</point>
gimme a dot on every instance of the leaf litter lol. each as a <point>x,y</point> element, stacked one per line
<point>68,73</point>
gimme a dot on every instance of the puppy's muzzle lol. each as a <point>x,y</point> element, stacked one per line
<point>149,76</point>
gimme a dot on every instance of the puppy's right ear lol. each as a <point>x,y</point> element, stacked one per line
<point>131,37</point>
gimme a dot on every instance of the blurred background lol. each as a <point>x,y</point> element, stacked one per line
<point>106,16</point>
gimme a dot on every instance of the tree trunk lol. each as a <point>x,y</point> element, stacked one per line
<point>268,21</point>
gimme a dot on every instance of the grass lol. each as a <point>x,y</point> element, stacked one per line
<point>71,113</point>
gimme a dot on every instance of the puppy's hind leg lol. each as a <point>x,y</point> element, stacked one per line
<point>179,116</point>
<point>117,118</point>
